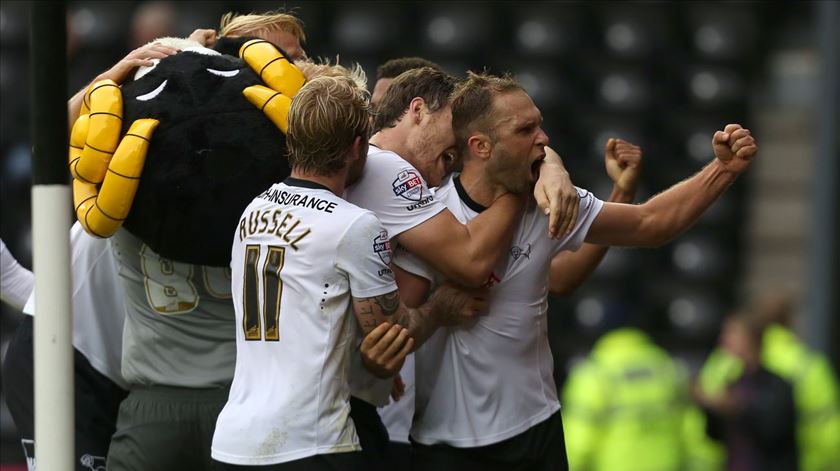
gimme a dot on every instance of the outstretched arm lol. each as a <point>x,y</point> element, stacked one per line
<point>673,211</point>
<point>465,252</point>
<point>569,269</point>
<point>140,57</point>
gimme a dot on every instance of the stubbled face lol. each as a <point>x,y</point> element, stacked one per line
<point>431,145</point>
<point>379,90</point>
<point>288,42</point>
<point>518,142</point>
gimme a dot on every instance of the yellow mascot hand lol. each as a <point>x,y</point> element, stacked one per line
<point>103,202</point>
<point>282,77</point>
<point>274,104</point>
<point>104,100</point>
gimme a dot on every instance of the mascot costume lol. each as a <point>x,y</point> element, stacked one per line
<point>176,155</point>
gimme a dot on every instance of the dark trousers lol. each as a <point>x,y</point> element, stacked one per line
<point>540,448</point>
<point>398,456</point>
<point>97,400</point>
<point>163,428</point>
<point>373,436</point>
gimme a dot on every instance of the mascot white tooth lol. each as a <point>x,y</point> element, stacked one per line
<point>201,136</point>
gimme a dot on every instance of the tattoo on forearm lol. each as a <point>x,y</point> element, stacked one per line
<point>366,316</point>
<point>389,302</point>
<point>420,322</point>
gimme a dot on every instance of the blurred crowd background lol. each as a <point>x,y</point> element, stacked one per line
<point>663,75</point>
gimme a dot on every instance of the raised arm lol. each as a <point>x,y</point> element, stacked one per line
<point>140,57</point>
<point>673,211</point>
<point>466,253</point>
<point>569,269</point>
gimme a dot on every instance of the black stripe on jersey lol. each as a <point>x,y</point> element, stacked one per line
<point>291,181</point>
<point>462,193</point>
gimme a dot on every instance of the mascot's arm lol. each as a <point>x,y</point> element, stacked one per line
<point>282,77</point>
<point>106,169</point>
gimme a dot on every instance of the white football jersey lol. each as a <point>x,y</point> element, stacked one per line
<point>298,255</point>
<point>486,382</point>
<point>398,195</point>
<point>98,303</point>
<point>16,281</point>
<point>397,415</point>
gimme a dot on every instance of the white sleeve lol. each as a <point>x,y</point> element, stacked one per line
<point>412,264</point>
<point>395,191</point>
<point>16,282</point>
<point>364,253</point>
<point>590,206</point>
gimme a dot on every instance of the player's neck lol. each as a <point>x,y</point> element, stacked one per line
<point>392,139</point>
<point>334,183</point>
<point>479,186</point>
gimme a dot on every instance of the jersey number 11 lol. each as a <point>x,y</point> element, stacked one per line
<point>272,288</point>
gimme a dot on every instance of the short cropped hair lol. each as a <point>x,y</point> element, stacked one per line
<point>433,86</point>
<point>326,116</point>
<point>234,24</point>
<point>472,105</point>
<point>394,67</point>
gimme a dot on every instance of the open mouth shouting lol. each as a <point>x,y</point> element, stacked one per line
<point>535,167</point>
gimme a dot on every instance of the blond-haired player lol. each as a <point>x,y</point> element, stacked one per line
<point>302,258</point>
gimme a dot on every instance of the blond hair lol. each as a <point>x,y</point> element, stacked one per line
<point>234,24</point>
<point>326,117</point>
<point>324,68</point>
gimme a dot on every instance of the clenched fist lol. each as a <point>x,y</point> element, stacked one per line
<point>624,163</point>
<point>734,147</point>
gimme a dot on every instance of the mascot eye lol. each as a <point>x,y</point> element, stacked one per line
<point>152,94</point>
<point>224,73</point>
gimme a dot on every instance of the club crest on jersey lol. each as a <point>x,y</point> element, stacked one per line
<point>382,247</point>
<point>517,251</point>
<point>408,185</point>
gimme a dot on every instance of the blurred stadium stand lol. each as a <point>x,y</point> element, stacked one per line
<point>662,75</point>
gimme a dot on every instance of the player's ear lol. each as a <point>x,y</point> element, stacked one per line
<point>358,150</point>
<point>415,108</point>
<point>478,145</point>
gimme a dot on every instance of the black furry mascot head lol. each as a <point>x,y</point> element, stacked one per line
<point>212,152</point>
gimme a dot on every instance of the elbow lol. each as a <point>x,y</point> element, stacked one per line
<point>562,286</point>
<point>475,275</point>
<point>474,281</point>
<point>563,290</point>
<point>659,238</point>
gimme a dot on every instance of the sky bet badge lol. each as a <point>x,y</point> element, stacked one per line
<point>382,247</point>
<point>408,185</point>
